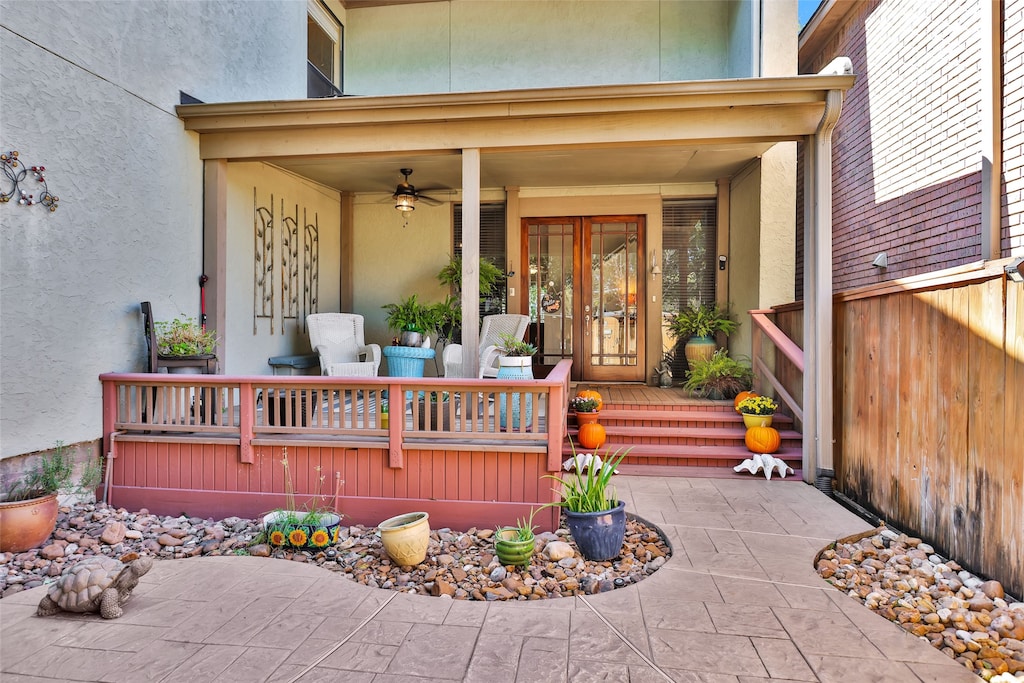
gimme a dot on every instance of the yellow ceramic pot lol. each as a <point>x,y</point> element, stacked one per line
<point>757,420</point>
<point>406,537</point>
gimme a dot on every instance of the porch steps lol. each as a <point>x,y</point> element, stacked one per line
<point>668,440</point>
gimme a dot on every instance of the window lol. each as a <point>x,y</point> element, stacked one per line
<point>492,246</point>
<point>689,238</point>
<point>324,35</point>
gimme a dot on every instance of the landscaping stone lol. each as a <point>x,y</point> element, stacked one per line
<point>901,578</point>
<point>459,565</point>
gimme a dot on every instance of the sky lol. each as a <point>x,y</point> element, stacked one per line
<point>806,9</point>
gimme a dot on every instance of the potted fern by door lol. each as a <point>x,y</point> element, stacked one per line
<point>697,325</point>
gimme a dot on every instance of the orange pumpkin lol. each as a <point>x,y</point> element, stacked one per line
<point>742,395</point>
<point>592,436</point>
<point>590,393</point>
<point>763,439</point>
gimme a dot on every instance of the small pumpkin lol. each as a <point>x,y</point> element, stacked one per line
<point>740,396</point>
<point>762,439</point>
<point>590,393</point>
<point>592,436</point>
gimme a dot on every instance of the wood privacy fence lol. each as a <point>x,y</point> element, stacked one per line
<point>929,410</point>
<point>469,452</point>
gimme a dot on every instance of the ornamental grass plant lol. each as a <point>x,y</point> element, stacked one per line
<point>587,489</point>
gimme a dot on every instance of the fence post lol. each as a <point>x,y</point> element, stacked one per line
<point>396,424</point>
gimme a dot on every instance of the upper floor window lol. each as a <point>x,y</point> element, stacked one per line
<point>324,50</point>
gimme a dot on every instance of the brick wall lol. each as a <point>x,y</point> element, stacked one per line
<point>1013,130</point>
<point>906,150</point>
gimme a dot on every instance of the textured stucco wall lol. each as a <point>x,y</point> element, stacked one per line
<point>88,91</point>
<point>249,342</point>
<point>507,44</point>
<point>397,260</point>
<point>745,263</point>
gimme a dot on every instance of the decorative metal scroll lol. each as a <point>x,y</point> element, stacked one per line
<point>289,265</point>
<point>263,266</point>
<point>16,175</point>
<point>311,266</point>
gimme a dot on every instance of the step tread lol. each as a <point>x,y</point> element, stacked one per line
<point>685,432</point>
<point>682,415</point>
<point>689,451</point>
<point>700,472</point>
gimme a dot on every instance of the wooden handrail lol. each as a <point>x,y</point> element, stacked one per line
<point>191,406</point>
<point>763,326</point>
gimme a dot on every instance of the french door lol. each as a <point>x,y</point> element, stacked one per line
<point>586,293</point>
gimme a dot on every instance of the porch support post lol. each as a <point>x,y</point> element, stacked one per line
<point>215,247</point>
<point>818,328</point>
<point>471,261</point>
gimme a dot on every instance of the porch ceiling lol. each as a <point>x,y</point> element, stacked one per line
<point>642,134</point>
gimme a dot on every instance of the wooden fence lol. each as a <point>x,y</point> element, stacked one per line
<point>929,411</point>
<point>470,452</point>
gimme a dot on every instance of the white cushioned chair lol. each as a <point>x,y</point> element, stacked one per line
<point>491,330</point>
<point>338,339</point>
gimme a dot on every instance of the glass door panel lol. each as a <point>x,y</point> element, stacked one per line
<point>612,311</point>
<point>548,282</point>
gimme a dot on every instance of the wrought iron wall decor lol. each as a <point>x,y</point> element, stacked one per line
<point>16,175</point>
<point>293,244</point>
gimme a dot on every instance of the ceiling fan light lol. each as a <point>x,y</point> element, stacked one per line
<point>405,202</point>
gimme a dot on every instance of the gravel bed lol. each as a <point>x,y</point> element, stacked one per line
<point>459,565</point>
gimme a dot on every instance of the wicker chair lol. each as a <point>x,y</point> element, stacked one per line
<point>338,339</point>
<point>491,331</point>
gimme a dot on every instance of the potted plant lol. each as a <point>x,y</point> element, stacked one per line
<point>411,319</point>
<point>184,338</point>
<point>311,525</point>
<point>697,324</point>
<point>28,509</point>
<point>719,377</point>
<point>595,517</point>
<point>406,537</point>
<point>515,361</point>
<point>514,545</point>
<point>433,411</point>
<point>757,411</point>
<point>585,408</point>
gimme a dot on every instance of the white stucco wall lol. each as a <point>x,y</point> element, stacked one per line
<point>744,253</point>
<point>88,90</point>
<point>397,260</point>
<point>508,44</point>
<point>249,341</point>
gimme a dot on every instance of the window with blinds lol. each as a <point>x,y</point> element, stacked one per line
<point>492,247</point>
<point>689,239</point>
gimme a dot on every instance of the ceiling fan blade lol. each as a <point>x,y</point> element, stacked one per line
<point>429,201</point>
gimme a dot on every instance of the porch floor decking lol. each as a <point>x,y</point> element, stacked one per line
<point>738,602</point>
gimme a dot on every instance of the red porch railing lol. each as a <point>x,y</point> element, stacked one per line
<point>470,452</point>
<point>763,328</point>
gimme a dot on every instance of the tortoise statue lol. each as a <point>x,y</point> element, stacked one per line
<point>98,584</point>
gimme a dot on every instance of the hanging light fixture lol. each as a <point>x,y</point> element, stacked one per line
<point>405,194</point>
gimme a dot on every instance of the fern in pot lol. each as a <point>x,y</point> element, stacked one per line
<point>411,320</point>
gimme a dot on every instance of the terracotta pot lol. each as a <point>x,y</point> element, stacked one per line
<point>757,420</point>
<point>406,537</point>
<point>587,418</point>
<point>26,524</point>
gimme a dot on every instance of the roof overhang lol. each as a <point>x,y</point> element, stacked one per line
<point>739,118</point>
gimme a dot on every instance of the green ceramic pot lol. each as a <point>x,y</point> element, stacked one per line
<point>510,549</point>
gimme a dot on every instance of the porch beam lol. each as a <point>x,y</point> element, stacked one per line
<point>720,125</point>
<point>471,262</point>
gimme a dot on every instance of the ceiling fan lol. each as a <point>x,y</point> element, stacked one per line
<point>406,195</point>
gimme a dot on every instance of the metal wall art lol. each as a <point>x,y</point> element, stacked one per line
<point>17,176</point>
<point>298,251</point>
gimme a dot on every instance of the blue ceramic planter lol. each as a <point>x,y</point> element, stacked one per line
<point>598,535</point>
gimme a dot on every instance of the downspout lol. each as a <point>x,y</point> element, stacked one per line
<point>818,332</point>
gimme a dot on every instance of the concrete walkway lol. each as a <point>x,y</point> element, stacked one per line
<point>738,602</point>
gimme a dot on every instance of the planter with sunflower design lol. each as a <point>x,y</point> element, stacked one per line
<point>298,529</point>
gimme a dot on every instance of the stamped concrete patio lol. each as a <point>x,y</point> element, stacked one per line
<point>738,602</point>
